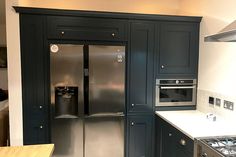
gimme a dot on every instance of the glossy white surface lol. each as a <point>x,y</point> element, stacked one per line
<point>194,123</point>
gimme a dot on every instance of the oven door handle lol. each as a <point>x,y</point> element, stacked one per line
<point>178,87</point>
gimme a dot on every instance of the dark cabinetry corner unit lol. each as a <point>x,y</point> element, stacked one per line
<point>140,136</point>
<point>177,50</point>
<point>170,142</point>
<point>140,72</point>
<point>34,89</point>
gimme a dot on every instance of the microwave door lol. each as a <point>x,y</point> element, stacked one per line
<point>175,95</point>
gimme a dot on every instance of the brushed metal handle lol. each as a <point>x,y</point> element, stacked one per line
<point>132,123</point>
<point>113,34</point>
<point>182,142</point>
<point>178,87</point>
<point>162,66</point>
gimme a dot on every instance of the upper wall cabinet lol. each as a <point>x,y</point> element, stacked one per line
<point>177,45</point>
<point>79,28</point>
<point>140,74</point>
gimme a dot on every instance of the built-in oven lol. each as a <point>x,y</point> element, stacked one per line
<point>176,92</point>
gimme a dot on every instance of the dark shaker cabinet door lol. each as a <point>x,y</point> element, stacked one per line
<point>141,67</point>
<point>140,136</point>
<point>178,48</point>
<point>35,112</point>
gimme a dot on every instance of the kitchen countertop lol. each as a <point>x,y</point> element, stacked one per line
<point>27,151</point>
<point>194,123</point>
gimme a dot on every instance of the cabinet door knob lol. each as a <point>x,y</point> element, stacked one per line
<point>62,33</point>
<point>170,134</point>
<point>182,142</point>
<point>132,105</point>
<point>204,155</point>
<point>132,123</point>
<point>40,106</point>
<point>40,126</point>
<point>113,34</point>
<point>162,66</point>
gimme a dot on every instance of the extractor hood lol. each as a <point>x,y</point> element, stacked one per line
<point>228,34</point>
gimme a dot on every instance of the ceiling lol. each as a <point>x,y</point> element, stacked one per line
<point>2,12</point>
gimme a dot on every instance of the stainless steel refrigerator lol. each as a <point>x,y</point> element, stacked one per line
<point>87,100</point>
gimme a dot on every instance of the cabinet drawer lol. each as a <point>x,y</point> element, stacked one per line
<point>86,28</point>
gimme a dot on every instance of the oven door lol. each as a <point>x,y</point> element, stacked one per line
<point>174,95</point>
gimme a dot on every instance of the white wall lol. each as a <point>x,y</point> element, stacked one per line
<point>14,74</point>
<point>217,64</point>
<point>134,6</point>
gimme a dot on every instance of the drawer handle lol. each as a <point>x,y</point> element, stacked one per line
<point>113,34</point>
<point>182,142</point>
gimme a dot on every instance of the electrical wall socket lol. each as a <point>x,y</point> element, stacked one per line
<point>218,102</point>
<point>228,105</point>
<point>211,100</point>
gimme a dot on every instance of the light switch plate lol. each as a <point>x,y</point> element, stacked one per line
<point>228,105</point>
<point>218,102</point>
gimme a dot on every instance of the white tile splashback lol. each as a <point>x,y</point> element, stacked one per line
<point>204,106</point>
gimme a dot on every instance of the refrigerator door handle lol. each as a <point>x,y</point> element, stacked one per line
<point>118,114</point>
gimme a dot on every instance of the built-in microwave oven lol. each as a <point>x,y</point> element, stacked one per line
<point>176,92</point>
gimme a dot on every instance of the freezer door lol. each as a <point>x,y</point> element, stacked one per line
<point>106,79</point>
<point>66,63</point>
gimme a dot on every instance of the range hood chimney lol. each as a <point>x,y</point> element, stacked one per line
<point>228,34</point>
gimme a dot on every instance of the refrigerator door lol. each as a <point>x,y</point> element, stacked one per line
<point>104,137</point>
<point>106,80</point>
<point>66,63</point>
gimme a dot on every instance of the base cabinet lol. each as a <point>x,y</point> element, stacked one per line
<point>139,136</point>
<point>170,142</point>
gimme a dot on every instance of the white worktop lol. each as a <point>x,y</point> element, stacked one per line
<point>194,123</point>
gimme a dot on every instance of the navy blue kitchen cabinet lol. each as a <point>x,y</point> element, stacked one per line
<point>151,41</point>
<point>140,136</point>
<point>34,89</point>
<point>140,74</point>
<point>177,50</point>
<point>170,142</point>
<point>79,28</point>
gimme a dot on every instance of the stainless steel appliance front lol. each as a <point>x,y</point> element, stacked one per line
<point>175,92</point>
<point>98,71</point>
